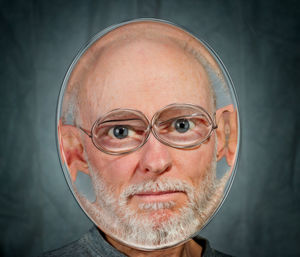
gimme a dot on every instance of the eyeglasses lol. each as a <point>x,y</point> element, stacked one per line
<point>122,131</point>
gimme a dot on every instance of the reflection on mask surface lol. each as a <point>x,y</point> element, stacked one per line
<point>150,190</point>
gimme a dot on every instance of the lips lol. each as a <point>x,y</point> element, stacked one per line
<point>157,193</point>
<point>151,196</point>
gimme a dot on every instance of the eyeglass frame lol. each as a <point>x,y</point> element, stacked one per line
<point>151,129</point>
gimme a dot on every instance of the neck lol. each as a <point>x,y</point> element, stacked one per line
<point>189,249</point>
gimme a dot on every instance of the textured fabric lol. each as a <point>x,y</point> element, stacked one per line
<point>92,244</point>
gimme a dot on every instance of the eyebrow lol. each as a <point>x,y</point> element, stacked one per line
<point>120,120</point>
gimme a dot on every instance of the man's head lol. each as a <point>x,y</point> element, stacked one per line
<point>157,195</point>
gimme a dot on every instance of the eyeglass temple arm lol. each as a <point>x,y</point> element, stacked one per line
<point>215,125</point>
<point>86,131</point>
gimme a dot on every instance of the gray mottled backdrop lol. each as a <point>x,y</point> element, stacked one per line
<point>258,42</point>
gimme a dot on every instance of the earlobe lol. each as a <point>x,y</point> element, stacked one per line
<point>71,150</point>
<point>226,118</point>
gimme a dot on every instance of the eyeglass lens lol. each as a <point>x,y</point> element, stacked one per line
<point>125,130</point>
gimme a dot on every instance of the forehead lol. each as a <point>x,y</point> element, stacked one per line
<point>143,72</point>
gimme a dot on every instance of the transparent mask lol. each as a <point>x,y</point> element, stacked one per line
<point>148,133</point>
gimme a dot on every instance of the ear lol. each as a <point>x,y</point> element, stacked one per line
<point>71,150</point>
<point>226,118</point>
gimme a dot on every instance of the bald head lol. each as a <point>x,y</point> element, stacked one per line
<point>144,60</point>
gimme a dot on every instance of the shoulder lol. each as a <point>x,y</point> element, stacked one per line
<point>78,248</point>
<point>207,250</point>
<point>89,245</point>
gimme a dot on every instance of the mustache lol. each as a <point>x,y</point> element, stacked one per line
<point>162,185</point>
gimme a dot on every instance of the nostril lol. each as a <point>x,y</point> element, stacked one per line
<point>156,168</point>
<point>168,167</point>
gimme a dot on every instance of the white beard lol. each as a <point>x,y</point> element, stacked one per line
<point>136,228</point>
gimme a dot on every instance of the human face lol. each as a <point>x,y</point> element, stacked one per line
<point>156,183</point>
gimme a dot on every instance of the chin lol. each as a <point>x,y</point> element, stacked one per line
<point>158,213</point>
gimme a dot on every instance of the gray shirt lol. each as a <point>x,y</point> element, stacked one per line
<point>92,244</point>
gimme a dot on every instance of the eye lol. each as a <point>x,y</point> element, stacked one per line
<point>119,132</point>
<point>183,125</point>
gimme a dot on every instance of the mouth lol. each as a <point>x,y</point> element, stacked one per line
<point>151,196</point>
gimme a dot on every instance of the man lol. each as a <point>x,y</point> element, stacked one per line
<point>145,130</point>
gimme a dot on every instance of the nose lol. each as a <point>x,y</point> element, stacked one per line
<point>155,157</point>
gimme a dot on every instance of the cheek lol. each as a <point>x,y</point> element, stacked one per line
<point>114,170</point>
<point>193,164</point>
